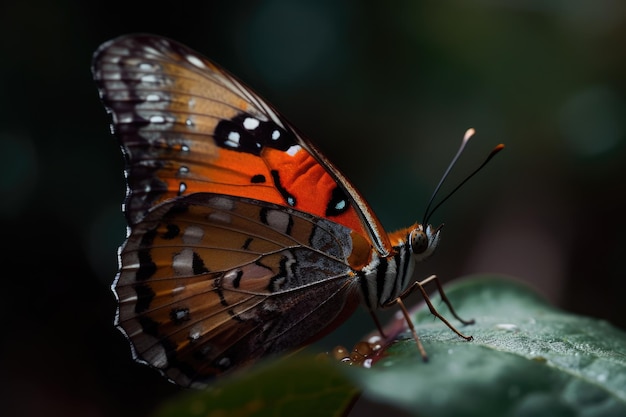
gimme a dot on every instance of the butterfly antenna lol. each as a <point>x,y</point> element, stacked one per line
<point>468,134</point>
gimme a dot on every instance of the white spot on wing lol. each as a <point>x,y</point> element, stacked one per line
<point>231,275</point>
<point>181,314</point>
<point>128,299</point>
<point>145,66</point>
<point>220,217</point>
<point>293,150</point>
<point>194,60</point>
<point>278,220</point>
<point>251,123</point>
<point>233,140</point>
<point>157,119</point>
<point>194,334</point>
<point>150,78</point>
<point>125,118</point>
<point>112,78</point>
<point>221,203</point>
<point>151,50</point>
<point>182,262</point>
<point>193,235</point>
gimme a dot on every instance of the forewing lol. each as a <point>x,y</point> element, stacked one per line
<point>186,125</point>
<point>210,282</point>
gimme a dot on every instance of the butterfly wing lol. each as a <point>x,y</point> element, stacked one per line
<point>244,240</point>
<point>209,282</point>
<point>186,125</point>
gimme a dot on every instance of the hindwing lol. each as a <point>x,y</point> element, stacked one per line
<point>209,282</point>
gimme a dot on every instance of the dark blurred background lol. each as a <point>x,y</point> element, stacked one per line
<point>387,91</point>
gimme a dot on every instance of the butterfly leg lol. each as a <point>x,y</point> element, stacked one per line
<point>443,297</point>
<point>431,307</point>
<point>409,322</point>
<point>378,325</point>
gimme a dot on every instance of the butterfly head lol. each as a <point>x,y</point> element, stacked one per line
<point>423,240</point>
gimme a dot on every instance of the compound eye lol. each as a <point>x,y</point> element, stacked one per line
<point>419,241</point>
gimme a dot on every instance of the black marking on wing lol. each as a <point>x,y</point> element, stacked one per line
<point>258,179</point>
<point>247,243</point>
<point>147,267</point>
<point>237,279</point>
<point>233,134</point>
<point>198,266</point>
<point>338,203</point>
<point>145,295</point>
<point>149,326</point>
<point>288,197</point>
<point>217,284</point>
<point>172,231</point>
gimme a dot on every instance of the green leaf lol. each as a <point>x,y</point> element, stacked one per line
<point>294,386</point>
<point>527,358</point>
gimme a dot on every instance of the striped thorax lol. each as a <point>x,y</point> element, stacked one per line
<point>385,278</point>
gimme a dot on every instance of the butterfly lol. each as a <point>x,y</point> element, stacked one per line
<point>243,239</point>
